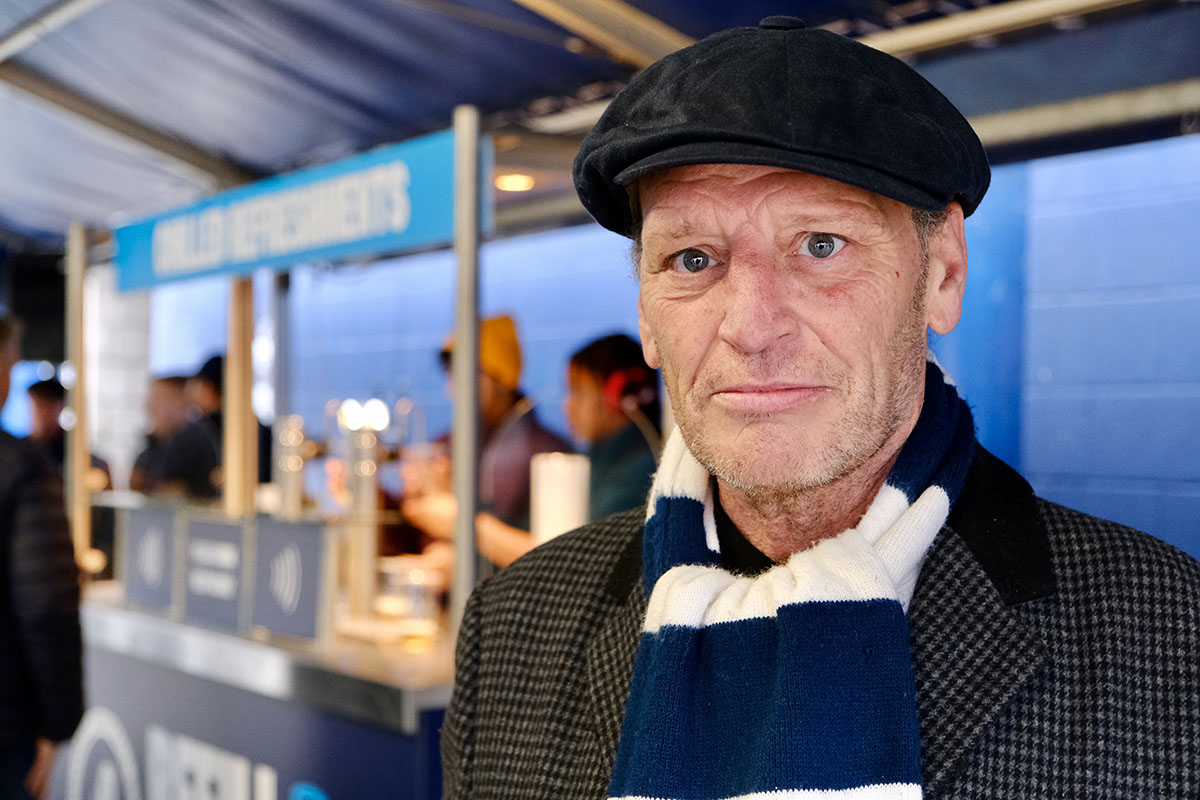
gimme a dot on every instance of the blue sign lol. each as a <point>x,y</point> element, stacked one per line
<point>149,556</point>
<point>289,565</point>
<point>394,198</point>
<point>213,573</point>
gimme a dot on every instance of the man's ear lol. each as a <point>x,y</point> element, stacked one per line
<point>649,348</point>
<point>947,276</point>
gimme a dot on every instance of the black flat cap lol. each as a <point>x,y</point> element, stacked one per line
<point>783,95</point>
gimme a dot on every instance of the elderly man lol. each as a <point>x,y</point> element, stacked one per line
<point>834,591</point>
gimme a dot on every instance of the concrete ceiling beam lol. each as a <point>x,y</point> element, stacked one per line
<point>627,34</point>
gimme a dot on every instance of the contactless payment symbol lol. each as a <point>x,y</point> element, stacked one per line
<point>151,556</point>
<point>286,578</point>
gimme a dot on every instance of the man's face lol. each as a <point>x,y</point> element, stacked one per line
<point>585,406</point>
<point>788,313</point>
<point>202,394</point>
<point>167,407</point>
<point>44,414</point>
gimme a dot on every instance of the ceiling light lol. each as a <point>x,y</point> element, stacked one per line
<point>576,119</point>
<point>514,182</point>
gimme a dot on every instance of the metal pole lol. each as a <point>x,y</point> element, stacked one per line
<point>465,367</point>
<point>281,377</point>
<point>363,550</point>
<point>240,436</point>
<point>78,453</point>
<point>41,25</point>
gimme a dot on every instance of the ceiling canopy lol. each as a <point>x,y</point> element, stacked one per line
<point>115,109</point>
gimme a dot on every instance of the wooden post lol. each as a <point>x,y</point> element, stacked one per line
<point>240,443</point>
<point>79,461</point>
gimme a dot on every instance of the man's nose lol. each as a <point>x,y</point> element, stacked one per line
<point>757,305</point>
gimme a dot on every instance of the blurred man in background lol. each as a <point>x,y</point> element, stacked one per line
<point>612,406</point>
<point>168,410</point>
<point>41,652</point>
<point>47,400</point>
<point>191,459</point>
<point>510,436</point>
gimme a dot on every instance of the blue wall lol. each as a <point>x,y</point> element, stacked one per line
<point>983,353</point>
<point>1111,382</point>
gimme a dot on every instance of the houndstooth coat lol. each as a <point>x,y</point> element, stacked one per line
<point>1056,656</point>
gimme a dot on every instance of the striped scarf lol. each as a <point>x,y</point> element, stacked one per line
<point>798,682</point>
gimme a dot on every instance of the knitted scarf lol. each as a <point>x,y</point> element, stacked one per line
<point>797,682</point>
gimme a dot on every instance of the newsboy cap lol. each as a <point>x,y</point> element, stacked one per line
<point>783,95</point>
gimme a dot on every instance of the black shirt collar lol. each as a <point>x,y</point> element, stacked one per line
<point>737,554</point>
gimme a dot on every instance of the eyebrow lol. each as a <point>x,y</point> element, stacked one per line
<point>681,229</point>
<point>863,221</point>
<point>855,212</point>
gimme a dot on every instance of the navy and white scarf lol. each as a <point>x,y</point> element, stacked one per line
<point>797,682</point>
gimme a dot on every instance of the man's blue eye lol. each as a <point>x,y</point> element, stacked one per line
<point>691,260</point>
<point>822,245</point>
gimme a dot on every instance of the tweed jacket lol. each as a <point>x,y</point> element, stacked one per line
<point>1056,655</point>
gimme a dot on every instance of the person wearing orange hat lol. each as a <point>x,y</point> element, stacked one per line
<point>510,436</point>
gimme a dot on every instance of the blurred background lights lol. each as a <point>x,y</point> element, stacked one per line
<point>514,182</point>
<point>66,375</point>
<point>350,415</point>
<point>375,414</point>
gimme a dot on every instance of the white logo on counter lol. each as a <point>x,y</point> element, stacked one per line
<point>102,766</point>
<point>286,578</point>
<point>213,568</point>
<point>115,776</point>
<point>151,557</point>
<point>178,766</point>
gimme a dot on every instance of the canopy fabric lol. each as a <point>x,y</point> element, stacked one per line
<point>272,85</point>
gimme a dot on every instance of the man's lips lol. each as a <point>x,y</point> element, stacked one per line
<point>771,398</point>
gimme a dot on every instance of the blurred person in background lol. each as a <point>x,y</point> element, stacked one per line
<point>510,436</point>
<point>47,400</point>
<point>191,459</point>
<point>41,652</point>
<point>612,406</point>
<point>168,410</point>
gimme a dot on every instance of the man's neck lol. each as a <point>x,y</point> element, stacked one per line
<point>781,524</point>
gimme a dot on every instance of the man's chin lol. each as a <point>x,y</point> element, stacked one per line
<point>765,475</point>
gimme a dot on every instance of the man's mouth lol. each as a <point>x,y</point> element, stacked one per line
<point>768,398</point>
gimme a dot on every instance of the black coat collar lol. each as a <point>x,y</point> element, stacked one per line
<point>996,516</point>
